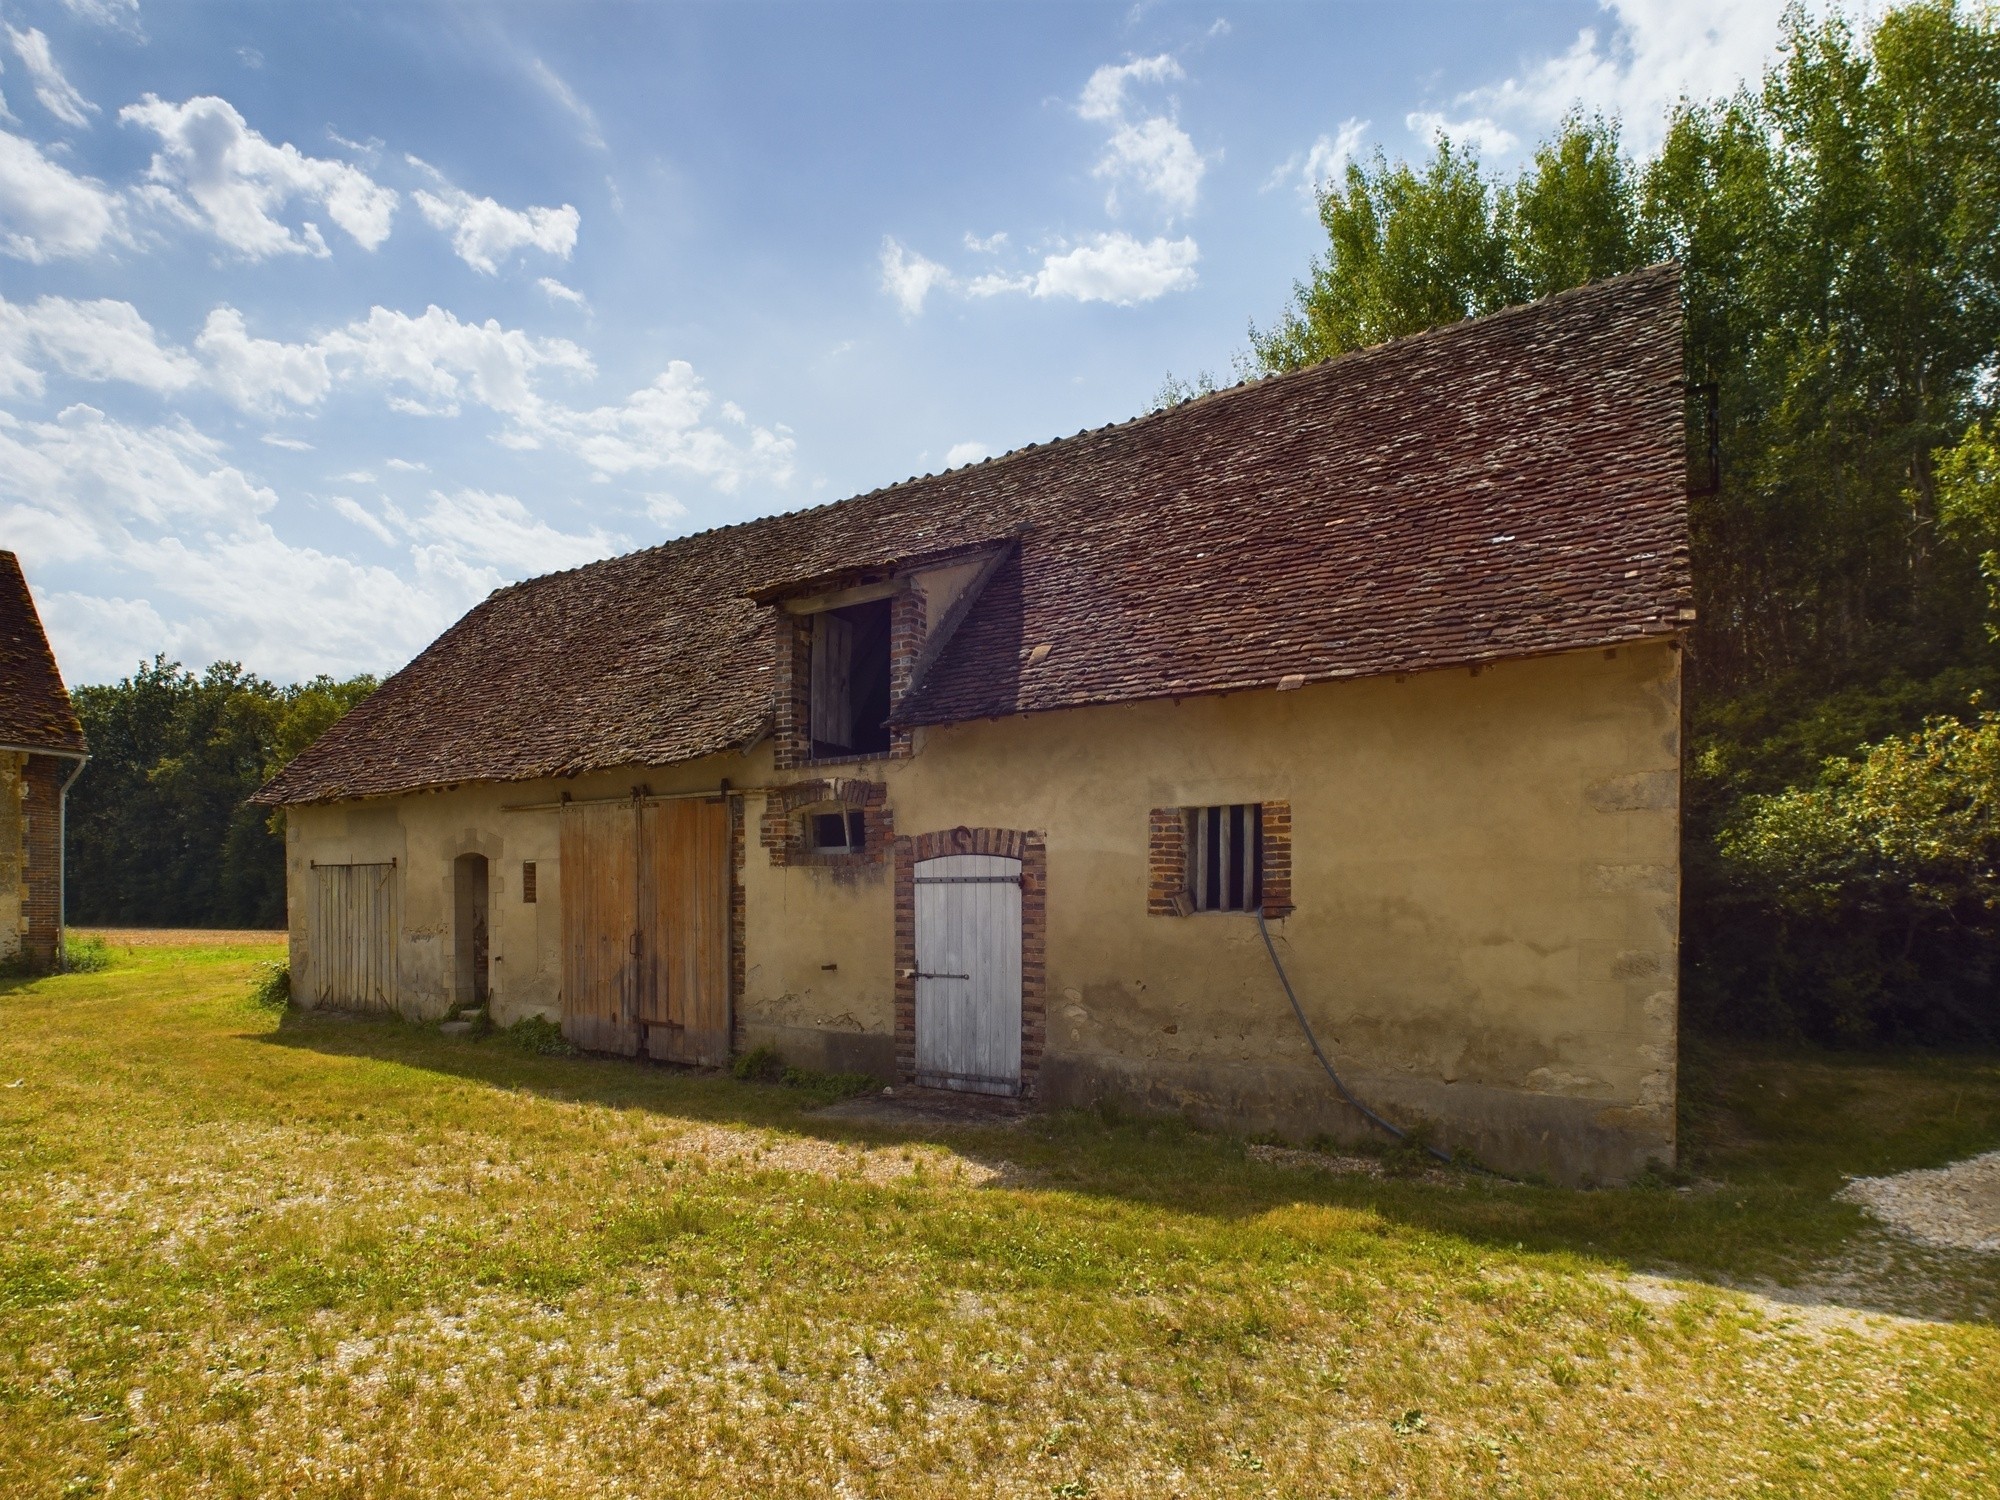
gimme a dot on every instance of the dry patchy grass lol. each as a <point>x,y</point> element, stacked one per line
<point>245,1255</point>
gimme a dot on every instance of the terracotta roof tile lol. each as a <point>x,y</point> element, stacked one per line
<point>35,712</point>
<point>1509,486</point>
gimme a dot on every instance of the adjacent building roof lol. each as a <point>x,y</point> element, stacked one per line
<point>35,712</point>
<point>1513,485</point>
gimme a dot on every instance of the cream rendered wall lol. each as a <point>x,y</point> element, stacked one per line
<point>1485,869</point>
<point>13,871</point>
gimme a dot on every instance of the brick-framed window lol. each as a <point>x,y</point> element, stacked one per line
<point>796,816</point>
<point>1230,857</point>
<point>795,743</point>
<point>527,882</point>
<point>1032,850</point>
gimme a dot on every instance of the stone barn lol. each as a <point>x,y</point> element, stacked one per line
<point>41,752</point>
<point>995,779</point>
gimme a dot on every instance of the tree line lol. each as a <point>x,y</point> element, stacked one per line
<point>159,832</point>
<point>1838,228</point>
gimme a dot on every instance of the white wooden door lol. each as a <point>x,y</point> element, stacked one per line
<point>351,936</point>
<point>969,973</point>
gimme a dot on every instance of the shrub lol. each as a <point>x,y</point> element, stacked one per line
<point>764,1065</point>
<point>84,953</point>
<point>273,990</point>
<point>541,1036</point>
<point>759,1065</point>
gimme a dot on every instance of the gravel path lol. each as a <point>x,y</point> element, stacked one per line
<point>1947,1208</point>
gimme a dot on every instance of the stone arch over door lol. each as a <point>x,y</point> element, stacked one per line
<point>1031,849</point>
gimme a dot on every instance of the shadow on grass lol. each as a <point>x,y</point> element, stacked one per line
<point>1769,1138</point>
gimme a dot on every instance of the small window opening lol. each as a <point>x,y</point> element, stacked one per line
<point>849,697</point>
<point>839,832</point>
<point>1226,857</point>
<point>528,882</point>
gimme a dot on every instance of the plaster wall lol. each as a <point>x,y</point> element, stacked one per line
<point>1485,871</point>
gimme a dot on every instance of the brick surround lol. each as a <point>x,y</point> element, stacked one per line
<point>1167,857</point>
<point>1031,849</point>
<point>782,829</point>
<point>792,743</point>
<point>739,908</point>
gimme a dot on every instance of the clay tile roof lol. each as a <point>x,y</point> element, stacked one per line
<point>35,712</point>
<point>1509,486</point>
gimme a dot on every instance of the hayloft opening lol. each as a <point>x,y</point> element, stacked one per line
<point>839,832</point>
<point>849,695</point>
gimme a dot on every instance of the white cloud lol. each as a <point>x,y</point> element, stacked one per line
<point>215,172</point>
<point>965,453</point>
<point>98,340</point>
<point>121,15</point>
<point>57,94</point>
<point>295,445</point>
<point>484,232</point>
<point>1323,163</point>
<point>442,361</point>
<point>1150,150</point>
<point>500,530</point>
<point>555,291</point>
<point>1651,54</point>
<point>180,554</point>
<point>1484,136</point>
<point>260,374</point>
<point>1118,269</point>
<point>48,212</point>
<point>661,426</point>
<point>408,466</point>
<point>564,95</point>
<point>366,519</point>
<point>909,277</point>
<point>992,244</point>
<point>664,510</point>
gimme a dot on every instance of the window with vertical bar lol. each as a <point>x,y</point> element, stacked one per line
<point>527,881</point>
<point>1225,857</point>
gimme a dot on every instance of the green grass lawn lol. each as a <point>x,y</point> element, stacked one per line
<point>250,1255</point>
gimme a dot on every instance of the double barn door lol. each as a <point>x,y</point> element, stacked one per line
<point>645,900</point>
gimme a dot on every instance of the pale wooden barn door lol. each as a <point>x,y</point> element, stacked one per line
<point>684,896</point>
<point>600,925</point>
<point>969,973</point>
<point>351,936</point>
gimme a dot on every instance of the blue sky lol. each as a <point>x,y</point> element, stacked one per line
<point>319,322</point>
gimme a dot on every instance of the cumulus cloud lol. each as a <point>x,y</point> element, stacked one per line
<point>1323,163</point>
<point>1119,269</point>
<point>48,212</point>
<point>485,232</point>
<point>965,453</point>
<point>909,277</point>
<point>663,426</point>
<point>437,361</point>
<point>121,15</point>
<point>555,291</point>
<point>260,374</point>
<point>57,94</point>
<point>1486,137</point>
<point>213,171</point>
<point>183,553</point>
<point>99,340</point>
<point>1648,56</point>
<point>1148,150</point>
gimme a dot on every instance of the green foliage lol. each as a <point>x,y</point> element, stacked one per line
<point>541,1036</point>
<point>159,832</point>
<point>1838,230</point>
<point>758,1065</point>
<point>273,989</point>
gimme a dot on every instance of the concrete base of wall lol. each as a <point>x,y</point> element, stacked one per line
<point>827,1051</point>
<point>1576,1142</point>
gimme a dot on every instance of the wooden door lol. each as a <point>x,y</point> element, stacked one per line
<point>351,936</point>
<point>684,939</point>
<point>969,973</point>
<point>600,925</point>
